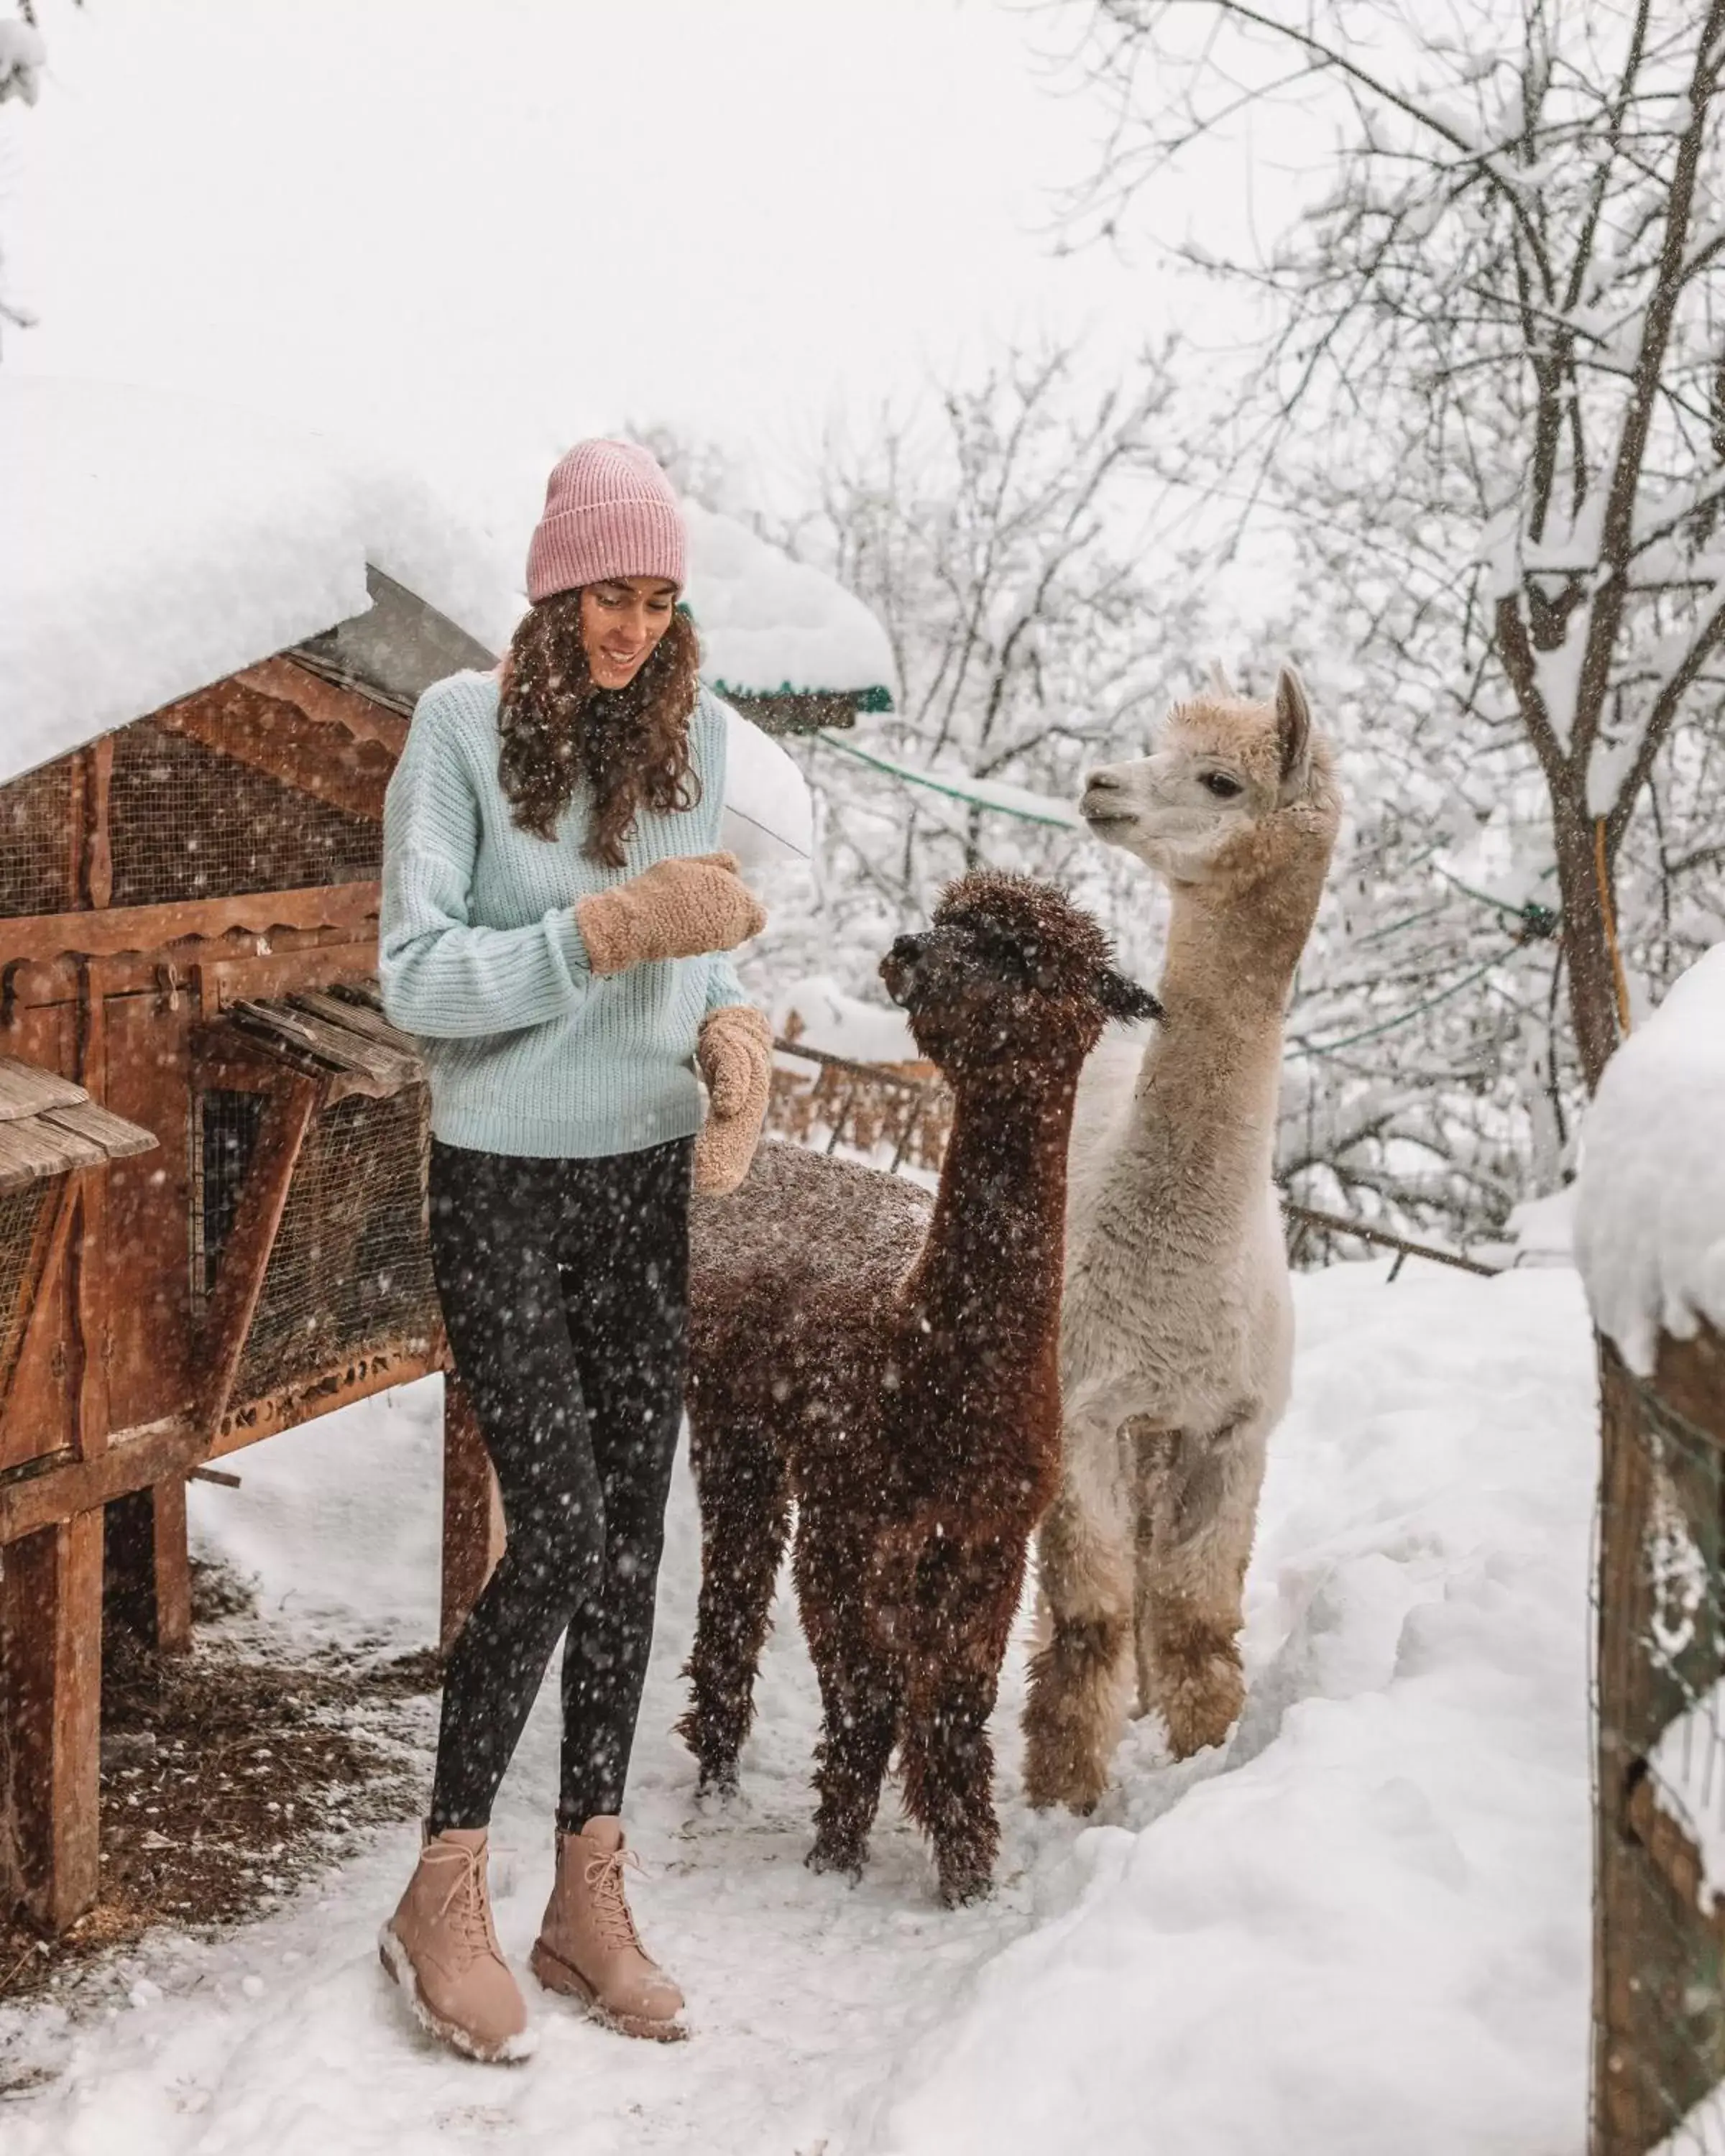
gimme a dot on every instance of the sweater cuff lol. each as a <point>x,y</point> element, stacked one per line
<point>565,931</point>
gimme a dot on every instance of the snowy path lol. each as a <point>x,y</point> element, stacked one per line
<point>1363,1927</point>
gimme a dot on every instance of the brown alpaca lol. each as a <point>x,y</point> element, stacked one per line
<point>913,1415</point>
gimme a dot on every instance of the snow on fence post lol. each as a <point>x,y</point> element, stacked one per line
<point>1650,1240</point>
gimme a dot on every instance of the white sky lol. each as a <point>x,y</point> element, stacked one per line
<point>546,217</point>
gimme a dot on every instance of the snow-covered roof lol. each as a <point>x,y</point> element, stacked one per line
<point>152,544</point>
<point>1649,1214</point>
<point>770,625</point>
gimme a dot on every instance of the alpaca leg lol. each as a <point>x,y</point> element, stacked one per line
<point>966,1600</point>
<point>858,1695</point>
<point>1079,1678</point>
<point>1198,1504</point>
<point>745,1519</point>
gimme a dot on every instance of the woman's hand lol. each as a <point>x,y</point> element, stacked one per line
<point>735,1052</point>
<point>676,909</point>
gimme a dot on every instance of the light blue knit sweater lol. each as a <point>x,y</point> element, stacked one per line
<point>480,956</point>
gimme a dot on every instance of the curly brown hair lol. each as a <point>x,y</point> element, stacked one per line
<point>630,744</point>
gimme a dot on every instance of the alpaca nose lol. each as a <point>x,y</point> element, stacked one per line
<point>1102,782</point>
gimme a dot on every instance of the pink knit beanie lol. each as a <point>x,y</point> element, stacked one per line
<point>609,511</point>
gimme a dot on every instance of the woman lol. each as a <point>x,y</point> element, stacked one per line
<point>554,927</point>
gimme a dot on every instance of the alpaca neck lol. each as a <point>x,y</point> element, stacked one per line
<point>996,1240</point>
<point>1205,1110</point>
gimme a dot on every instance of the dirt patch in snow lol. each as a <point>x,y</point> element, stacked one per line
<point>230,1775</point>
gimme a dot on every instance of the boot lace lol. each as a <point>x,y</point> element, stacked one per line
<point>465,1905</point>
<point>612,1915</point>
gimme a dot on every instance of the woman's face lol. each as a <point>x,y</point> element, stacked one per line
<point>621,621</point>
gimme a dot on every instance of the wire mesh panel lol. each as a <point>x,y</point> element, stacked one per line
<point>225,1127</point>
<point>187,823</point>
<point>36,842</point>
<point>351,1267</point>
<point>1659,2008</point>
<point>20,1216</point>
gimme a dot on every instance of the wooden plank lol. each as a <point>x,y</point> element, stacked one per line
<point>89,1316</point>
<point>121,929</point>
<point>354,712</point>
<point>343,1048</point>
<point>25,1090</point>
<point>41,1492</point>
<point>118,1140</point>
<point>245,1256</point>
<point>96,870</point>
<point>376,1370</point>
<point>50,1715</point>
<point>33,1148</point>
<point>172,1552</point>
<point>366,993</point>
<point>361,1019</point>
<point>268,733</point>
<point>473,1512</point>
<point>147,1198</point>
<point>1658,2020</point>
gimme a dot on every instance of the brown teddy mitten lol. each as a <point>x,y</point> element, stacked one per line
<point>676,909</point>
<point>735,1053</point>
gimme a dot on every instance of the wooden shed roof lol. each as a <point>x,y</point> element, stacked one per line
<point>50,1126</point>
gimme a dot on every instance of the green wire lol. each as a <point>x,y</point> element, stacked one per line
<point>953,792</point>
<point>1405,1018</point>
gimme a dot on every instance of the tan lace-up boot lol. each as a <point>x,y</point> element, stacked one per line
<point>588,1947</point>
<point>441,1948</point>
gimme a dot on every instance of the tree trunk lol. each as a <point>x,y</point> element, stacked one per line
<point>1587,946</point>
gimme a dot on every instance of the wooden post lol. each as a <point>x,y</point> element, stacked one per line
<point>149,1579</point>
<point>473,1511</point>
<point>1659,1954</point>
<point>50,1716</point>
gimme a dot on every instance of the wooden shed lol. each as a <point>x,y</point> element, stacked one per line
<point>211,1144</point>
<point>187,927</point>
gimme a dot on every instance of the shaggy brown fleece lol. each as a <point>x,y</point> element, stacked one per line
<point>895,1373</point>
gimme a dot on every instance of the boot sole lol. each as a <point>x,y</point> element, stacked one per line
<point>398,1966</point>
<point>556,1974</point>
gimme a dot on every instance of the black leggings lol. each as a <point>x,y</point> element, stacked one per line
<point>565,1288</point>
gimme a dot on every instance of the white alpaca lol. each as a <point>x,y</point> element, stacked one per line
<point>1177,1331</point>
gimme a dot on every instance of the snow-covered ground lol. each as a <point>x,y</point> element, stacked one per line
<point>1362,1927</point>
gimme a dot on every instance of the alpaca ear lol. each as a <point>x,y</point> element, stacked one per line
<point>1220,685</point>
<point>1293,731</point>
<point>1124,999</point>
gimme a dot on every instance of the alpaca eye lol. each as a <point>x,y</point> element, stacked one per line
<point>1221,785</point>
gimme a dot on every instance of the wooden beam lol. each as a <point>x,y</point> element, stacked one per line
<point>473,1512</point>
<point>376,1370</point>
<point>54,1485</point>
<point>237,720</point>
<point>121,929</point>
<point>95,880</point>
<point>50,1717</point>
<point>89,1278</point>
<point>245,1255</point>
<point>328,703</point>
